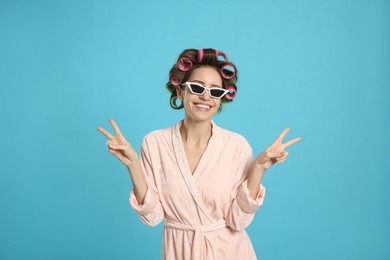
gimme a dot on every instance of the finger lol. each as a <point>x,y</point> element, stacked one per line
<point>124,143</point>
<point>115,127</point>
<point>115,141</point>
<point>119,156</point>
<point>274,154</point>
<point>284,156</point>
<point>106,133</point>
<point>113,152</point>
<point>111,142</point>
<point>117,131</point>
<point>281,160</point>
<point>291,142</point>
<point>283,134</point>
<point>118,147</point>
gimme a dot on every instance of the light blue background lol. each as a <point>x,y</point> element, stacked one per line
<point>319,67</point>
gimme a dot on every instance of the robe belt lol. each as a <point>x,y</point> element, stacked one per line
<point>199,231</point>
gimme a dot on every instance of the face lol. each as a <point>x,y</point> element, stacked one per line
<point>201,107</point>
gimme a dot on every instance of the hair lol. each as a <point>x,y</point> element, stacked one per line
<point>194,59</point>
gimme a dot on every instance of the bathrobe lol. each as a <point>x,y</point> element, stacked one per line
<point>206,212</point>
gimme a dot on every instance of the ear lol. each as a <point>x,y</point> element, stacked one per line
<point>179,92</point>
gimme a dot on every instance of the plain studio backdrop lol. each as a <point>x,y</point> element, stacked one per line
<point>318,67</point>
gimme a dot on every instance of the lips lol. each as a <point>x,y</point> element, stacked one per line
<point>203,107</point>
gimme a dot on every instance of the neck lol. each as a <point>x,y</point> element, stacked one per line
<point>195,132</point>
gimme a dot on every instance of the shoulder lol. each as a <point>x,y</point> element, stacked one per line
<point>234,138</point>
<point>157,136</point>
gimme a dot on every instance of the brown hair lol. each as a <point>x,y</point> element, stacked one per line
<point>177,76</point>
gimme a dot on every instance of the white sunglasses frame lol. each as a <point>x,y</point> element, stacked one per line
<point>188,84</point>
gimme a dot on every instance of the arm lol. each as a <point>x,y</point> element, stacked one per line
<point>244,206</point>
<point>143,197</point>
<point>140,186</point>
<point>150,211</point>
<point>274,153</point>
<point>255,176</point>
<point>122,149</point>
<point>250,194</point>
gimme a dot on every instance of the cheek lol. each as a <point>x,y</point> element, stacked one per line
<point>187,99</point>
<point>185,95</point>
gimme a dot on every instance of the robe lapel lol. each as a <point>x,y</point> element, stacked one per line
<point>207,156</point>
<point>185,169</point>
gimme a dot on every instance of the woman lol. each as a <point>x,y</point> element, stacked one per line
<point>201,179</point>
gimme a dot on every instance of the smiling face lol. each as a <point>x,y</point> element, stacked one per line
<point>201,107</point>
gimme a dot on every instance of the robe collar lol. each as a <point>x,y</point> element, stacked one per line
<point>181,158</point>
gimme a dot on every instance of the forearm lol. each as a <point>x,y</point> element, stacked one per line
<point>255,176</point>
<point>138,180</point>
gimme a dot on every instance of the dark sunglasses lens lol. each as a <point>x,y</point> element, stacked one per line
<point>217,93</point>
<point>196,88</point>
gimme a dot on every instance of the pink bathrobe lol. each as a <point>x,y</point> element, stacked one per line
<point>205,213</point>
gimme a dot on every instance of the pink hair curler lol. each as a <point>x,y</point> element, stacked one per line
<point>228,71</point>
<point>217,54</point>
<point>184,64</point>
<point>200,55</point>
<point>175,81</point>
<point>232,93</point>
<point>221,54</point>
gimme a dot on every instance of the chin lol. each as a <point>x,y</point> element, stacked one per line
<point>200,117</point>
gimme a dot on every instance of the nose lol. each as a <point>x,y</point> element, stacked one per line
<point>206,95</point>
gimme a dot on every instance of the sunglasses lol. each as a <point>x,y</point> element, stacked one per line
<point>198,89</point>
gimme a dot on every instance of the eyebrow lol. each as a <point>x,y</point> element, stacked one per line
<point>201,82</point>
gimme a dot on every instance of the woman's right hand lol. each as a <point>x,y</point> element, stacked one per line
<point>118,145</point>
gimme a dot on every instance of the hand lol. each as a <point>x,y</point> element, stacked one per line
<point>118,146</point>
<point>276,151</point>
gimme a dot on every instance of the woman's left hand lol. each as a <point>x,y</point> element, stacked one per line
<point>275,152</point>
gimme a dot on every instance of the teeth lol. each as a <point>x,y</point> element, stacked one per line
<point>203,106</point>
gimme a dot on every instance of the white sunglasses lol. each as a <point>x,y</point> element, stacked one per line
<point>199,89</point>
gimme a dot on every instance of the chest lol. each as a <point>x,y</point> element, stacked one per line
<point>194,155</point>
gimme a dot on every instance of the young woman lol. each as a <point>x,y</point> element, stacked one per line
<point>201,179</point>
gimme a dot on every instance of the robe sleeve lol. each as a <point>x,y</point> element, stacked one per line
<point>150,211</point>
<point>243,207</point>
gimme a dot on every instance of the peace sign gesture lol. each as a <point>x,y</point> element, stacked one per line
<point>118,146</point>
<point>276,151</point>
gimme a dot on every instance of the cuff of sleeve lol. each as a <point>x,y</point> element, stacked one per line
<point>147,205</point>
<point>246,202</point>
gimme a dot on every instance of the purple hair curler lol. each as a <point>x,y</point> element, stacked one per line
<point>184,64</point>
